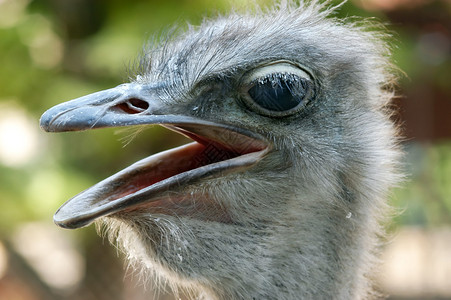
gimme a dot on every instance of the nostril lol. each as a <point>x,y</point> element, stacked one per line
<point>133,106</point>
<point>138,103</point>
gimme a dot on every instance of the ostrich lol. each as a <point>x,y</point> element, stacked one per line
<point>283,189</point>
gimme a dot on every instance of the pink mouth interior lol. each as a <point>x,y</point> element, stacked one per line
<point>172,162</point>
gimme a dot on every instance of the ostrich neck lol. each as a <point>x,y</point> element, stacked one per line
<point>320,256</point>
<point>312,248</point>
<point>313,253</point>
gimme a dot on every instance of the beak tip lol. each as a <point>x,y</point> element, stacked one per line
<point>69,223</point>
<point>56,120</point>
<point>60,218</point>
<point>47,121</point>
<point>44,122</point>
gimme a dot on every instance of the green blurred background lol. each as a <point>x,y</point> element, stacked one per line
<point>56,50</point>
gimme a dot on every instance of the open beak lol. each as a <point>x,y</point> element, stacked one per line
<point>217,149</point>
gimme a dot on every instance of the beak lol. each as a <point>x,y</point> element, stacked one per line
<point>124,105</point>
<point>217,149</point>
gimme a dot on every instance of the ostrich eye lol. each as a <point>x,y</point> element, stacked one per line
<point>277,90</point>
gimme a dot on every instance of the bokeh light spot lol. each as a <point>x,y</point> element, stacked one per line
<point>12,12</point>
<point>51,253</point>
<point>18,136</point>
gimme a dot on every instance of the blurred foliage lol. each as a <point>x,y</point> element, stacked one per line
<point>425,198</point>
<point>56,50</point>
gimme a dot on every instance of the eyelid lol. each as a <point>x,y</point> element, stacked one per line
<point>273,68</point>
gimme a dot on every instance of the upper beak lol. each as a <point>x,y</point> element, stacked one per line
<point>135,104</point>
<point>125,105</point>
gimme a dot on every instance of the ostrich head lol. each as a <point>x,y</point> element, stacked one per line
<point>280,194</point>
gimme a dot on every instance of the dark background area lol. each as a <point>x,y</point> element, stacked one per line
<point>56,50</point>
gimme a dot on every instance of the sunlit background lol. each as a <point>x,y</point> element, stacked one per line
<point>56,50</point>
